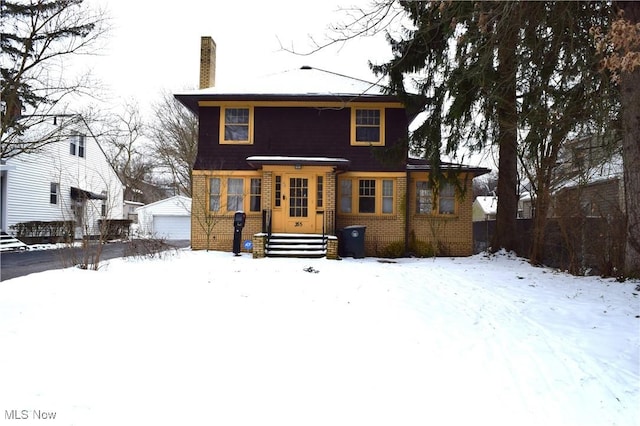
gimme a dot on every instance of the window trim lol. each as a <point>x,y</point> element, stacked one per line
<point>223,194</point>
<point>435,200</point>
<point>354,126</point>
<point>222,139</point>
<point>78,145</point>
<point>354,197</point>
<point>54,193</point>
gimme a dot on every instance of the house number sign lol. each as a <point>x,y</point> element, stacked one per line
<point>298,224</point>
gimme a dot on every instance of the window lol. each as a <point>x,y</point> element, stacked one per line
<point>387,196</point>
<point>54,192</point>
<point>236,125</point>
<point>375,196</point>
<point>367,126</point>
<point>424,198</point>
<point>445,201</point>
<point>81,146</point>
<point>255,201</point>
<point>234,194</point>
<point>77,145</point>
<point>278,192</point>
<point>345,196</point>
<point>367,196</point>
<point>320,191</point>
<point>233,190</point>
<point>214,194</point>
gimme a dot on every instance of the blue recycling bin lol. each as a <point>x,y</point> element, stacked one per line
<point>351,241</point>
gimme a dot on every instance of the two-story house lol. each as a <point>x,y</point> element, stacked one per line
<point>69,180</point>
<point>311,152</point>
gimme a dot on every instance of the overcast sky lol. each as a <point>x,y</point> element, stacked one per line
<point>155,46</point>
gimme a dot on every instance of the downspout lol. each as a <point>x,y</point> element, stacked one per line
<point>337,200</point>
<point>406,214</point>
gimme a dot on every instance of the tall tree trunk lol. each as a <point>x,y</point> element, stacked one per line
<point>507,116</point>
<point>630,93</point>
<point>542,203</point>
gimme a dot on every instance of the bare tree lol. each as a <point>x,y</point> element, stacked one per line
<point>174,135</point>
<point>127,151</point>
<point>37,36</point>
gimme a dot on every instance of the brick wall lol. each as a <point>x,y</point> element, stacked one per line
<point>446,235</point>
<point>215,232</point>
<point>381,231</point>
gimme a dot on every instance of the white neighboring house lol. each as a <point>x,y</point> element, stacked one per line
<point>169,219</point>
<point>67,180</point>
<point>485,208</point>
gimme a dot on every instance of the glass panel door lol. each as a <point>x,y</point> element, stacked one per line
<point>298,197</point>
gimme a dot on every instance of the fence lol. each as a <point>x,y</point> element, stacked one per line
<point>581,245</point>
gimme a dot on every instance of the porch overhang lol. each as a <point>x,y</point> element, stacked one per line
<point>257,161</point>
<point>78,194</point>
<point>419,165</point>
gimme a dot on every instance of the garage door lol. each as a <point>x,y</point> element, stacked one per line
<point>172,227</point>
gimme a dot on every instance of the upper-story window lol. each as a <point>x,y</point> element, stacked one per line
<point>77,145</point>
<point>367,126</point>
<point>236,125</point>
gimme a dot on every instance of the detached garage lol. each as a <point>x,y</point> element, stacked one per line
<point>169,219</point>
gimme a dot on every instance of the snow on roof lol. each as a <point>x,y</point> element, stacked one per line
<point>305,80</point>
<point>609,170</point>
<point>489,204</point>
<point>182,203</point>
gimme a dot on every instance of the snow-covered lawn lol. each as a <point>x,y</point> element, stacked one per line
<point>206,338</point>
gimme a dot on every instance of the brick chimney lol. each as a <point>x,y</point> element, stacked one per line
<point>207,62</point>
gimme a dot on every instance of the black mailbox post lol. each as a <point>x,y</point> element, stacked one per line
<point>238,223</point>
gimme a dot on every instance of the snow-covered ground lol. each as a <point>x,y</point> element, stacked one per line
<point>206,338</point>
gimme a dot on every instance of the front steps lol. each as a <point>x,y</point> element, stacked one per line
<point>296,245</point>
<point>9,243</point>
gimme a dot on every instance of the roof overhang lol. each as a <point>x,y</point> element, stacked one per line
<point>82,194</point>
<point>415,165</point>
<point>193,100</point>
<point>258,161</point>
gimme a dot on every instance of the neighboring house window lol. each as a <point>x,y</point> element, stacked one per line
<point>367,126</point>
<point>54,193</point>
<point>426,202</point>
<point>234,194</point>
<point>103,207</point>
<point>214,194</point>
<point>371,200</point>
<point>236,125</point>
<point>77,145</point>
<point>255,202</point>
